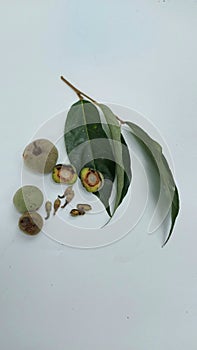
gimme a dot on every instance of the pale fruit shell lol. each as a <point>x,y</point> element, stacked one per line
<point>43,162</point>
<point>28,198</point>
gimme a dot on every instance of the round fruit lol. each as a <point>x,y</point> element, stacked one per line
<point>65,174</point>
<point>91,179</point>
<point>40,156</point>
<point>28,198</point>
<point>30,223</point>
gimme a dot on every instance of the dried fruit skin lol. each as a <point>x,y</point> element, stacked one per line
<point>28,198</point>
<point>64,173</point>
<point>85,207</point>
<point>91,179</point>
<point>69,194</point>
<point>30,223</point>
<point>40,156</point>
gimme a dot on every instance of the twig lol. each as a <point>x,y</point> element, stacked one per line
<point>80,94</point>
<point>77,91</point>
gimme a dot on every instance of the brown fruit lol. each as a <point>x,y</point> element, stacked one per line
<point>31,223</point>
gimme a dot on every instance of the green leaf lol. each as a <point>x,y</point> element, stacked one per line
<point>127,169</point>
<point>174,213</point>
<point>87,145</point>
<point>167,184</point>
<point>121,155</point>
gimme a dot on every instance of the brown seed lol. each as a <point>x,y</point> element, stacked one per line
<point>56,205</point>
<point>30,223</point>
<point>76,212</point>
<point>48,207</point>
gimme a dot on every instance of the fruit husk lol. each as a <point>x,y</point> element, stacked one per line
<point>40,156</point>
<point>28,198</point>
<point>86,174</point>
<point>64,173</point>
<point>30,223</point>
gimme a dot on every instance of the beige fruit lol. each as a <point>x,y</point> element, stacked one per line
<point>40,156</point>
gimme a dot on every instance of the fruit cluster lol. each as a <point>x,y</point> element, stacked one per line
<point>40,156</point>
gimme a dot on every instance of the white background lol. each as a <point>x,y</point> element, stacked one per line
<point>130,295</point>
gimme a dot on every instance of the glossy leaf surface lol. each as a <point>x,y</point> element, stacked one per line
<point>87,145</point>
<point>121,155</point>
<point>167,184</point>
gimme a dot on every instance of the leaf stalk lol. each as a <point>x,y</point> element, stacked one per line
<point>79,93</point>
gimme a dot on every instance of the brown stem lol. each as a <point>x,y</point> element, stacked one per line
<point>120,120</point>
<point>61,197</point>
<point>80,94</point>
<point>77,91</point>
<point>64,205</point>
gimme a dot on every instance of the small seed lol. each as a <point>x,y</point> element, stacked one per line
<point>56,205</point>
<point>76,212</point>
<point>48,207</point>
